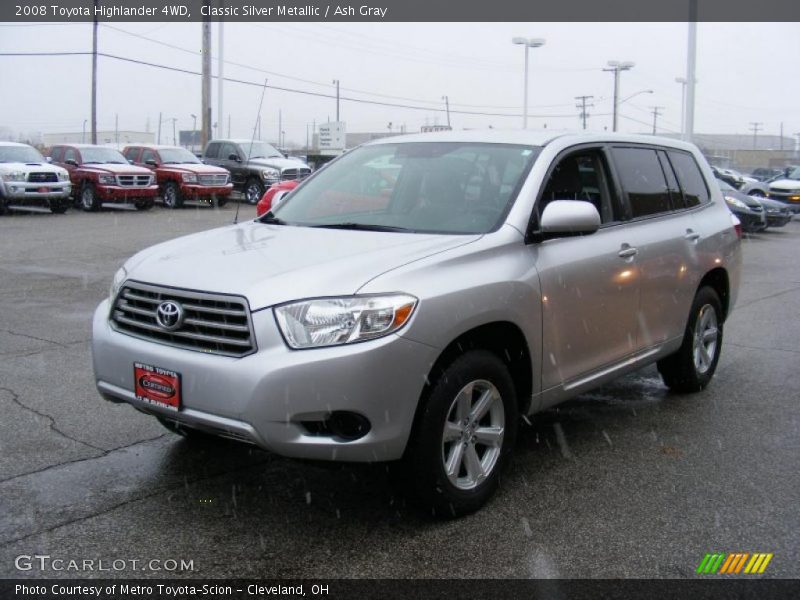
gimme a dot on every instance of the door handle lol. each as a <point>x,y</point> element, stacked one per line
<point>692,235</point>
<point>627,251</point>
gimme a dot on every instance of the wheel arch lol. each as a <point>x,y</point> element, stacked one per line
<point>717,279</point>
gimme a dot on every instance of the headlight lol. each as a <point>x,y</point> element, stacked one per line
<point>736,202</point>
<point>336,321</point>
<point>14,176</point>
<point>63,176</point>
<point>107,180</point>
<point>116,283</point>
<point>189,177</point>
<point>271,174</point>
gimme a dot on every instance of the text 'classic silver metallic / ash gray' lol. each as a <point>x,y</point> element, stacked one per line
<point>411,300</point>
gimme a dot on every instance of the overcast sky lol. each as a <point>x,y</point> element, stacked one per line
<point>746,72</point>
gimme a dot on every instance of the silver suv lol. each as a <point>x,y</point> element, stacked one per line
<point>416,297</point>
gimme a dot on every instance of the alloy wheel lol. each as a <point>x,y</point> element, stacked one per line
<point>706,334</point>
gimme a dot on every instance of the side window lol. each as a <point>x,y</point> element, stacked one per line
<point>148,154</point>
<point>693,184</point>
<point>674,188</point>
<point>70,154</point>
<point>131,153</point>
<point>642,178</point>
<point>227,150</point>
<point>581,176</point>
<point>212,150</point>
<point>55,154</point>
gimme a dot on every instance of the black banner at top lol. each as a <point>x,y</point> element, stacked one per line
<point>400,10</point>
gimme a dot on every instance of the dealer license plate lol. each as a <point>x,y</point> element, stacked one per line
<point>157,386</point>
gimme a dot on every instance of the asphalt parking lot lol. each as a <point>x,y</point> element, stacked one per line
<point>627,481</point>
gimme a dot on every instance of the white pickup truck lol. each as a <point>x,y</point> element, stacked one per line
<point>28,181</point>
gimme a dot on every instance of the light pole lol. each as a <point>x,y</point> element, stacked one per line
<point>528,43</point>
<point>194,127</point>
<point>447,108</point>
<point>83,135</point>
<point>682,81</point>
<point>616,66</point>
<point>336,81</point>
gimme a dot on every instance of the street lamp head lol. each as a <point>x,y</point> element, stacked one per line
<point>621,65</point>
<point>193,116</point>
<point>530,42</point>
<point>680,80</point>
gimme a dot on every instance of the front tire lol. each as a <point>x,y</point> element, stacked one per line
<point>172,195</point>
<point>219,202</point>
<point>88,199</point>
<point>59,207</point>
<point>463,436</point>
<point>253,191</point>
<point>691,368</point>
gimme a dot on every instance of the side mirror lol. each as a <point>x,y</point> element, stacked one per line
<point>234,157</point>
<point>49,159</point>
<point>70,161</point>
<point>151,162</point>
<point>565,218</point>
<point>130,161</point>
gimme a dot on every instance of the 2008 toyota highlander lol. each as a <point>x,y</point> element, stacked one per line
<point>418,295</point>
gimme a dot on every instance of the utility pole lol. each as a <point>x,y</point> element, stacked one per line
<point>755,127</point>
<point>583,106</point>
<point>229,124</point>
<point>94,75</point>
<point>447,108</point>
<point>205,133</point>
<point>116,129</point>
<point>174,139</point>
<point>280,127</point>
<point>656,114</point>
<point>781,136</point>
<point>336,81</point>
<point>691,66</point>
<point>615,67</point>
<point>220,68</point>
<point>158,140</point>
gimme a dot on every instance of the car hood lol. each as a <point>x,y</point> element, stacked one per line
<point>196,168</point>
<point>30,166</point>
<point>277,163</point>
<point>123,169</point>
<point>271,264</point>
<point>785,184</point>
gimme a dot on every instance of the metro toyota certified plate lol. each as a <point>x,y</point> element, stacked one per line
<point>157,386</point>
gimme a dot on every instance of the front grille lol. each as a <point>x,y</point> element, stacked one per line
<point>213,323</point>
<point>42,178</point>
<point>295,173</point>
<point>133,180</point>
<point>214,179</point>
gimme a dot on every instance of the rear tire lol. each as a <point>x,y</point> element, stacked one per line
<point>3,205</point>
<point>691,368</point>
<point>88,198</point>
<point>172,195</point>
<point>463,436</point>
<point>59,207</point>
<point>144,204</point>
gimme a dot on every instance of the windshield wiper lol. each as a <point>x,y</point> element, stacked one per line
<point>360,227</point>
<point>271,219</point>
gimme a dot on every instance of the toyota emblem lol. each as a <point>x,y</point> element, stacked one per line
<point>169,315</point>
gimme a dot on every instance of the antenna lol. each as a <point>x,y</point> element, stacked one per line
<point>252,141</point>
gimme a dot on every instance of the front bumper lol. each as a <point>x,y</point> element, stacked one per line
<point>111,193</point>
<point>23,190</point>
<point>265,397</point>
<point>192,191</point>
<point>790,199</point>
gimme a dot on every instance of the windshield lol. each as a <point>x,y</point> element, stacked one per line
<point>23,154</point>
<point>102,155</point>
<point>259,150</point>
<point>427,187</point>
<point>177,156</point>
<point>794,174</point>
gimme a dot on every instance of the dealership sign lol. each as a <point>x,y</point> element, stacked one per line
<point>332,136</point>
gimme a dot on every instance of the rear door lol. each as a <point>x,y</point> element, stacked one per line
<point>666,242</point>
<point>236,168</point>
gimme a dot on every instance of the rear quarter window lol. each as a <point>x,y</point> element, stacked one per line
<point>212,151</point>
<point>693,184</point>
<point>643,181</point>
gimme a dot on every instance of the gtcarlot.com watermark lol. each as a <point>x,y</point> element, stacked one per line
<point>44,563</point>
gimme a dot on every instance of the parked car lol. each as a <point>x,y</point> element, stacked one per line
<point>100,174</point>
<point>500,274</point>
<point>181,176</point>
<point>28,180</point>
<point>254,165</point>
<point>747,209</point>
<point>778,213</point>
<point>274,195</point>
<point>787,189</point>
<point>766,173</point>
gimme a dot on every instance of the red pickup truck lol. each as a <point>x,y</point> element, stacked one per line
<point>101,174</point>
<point>181,176</point>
